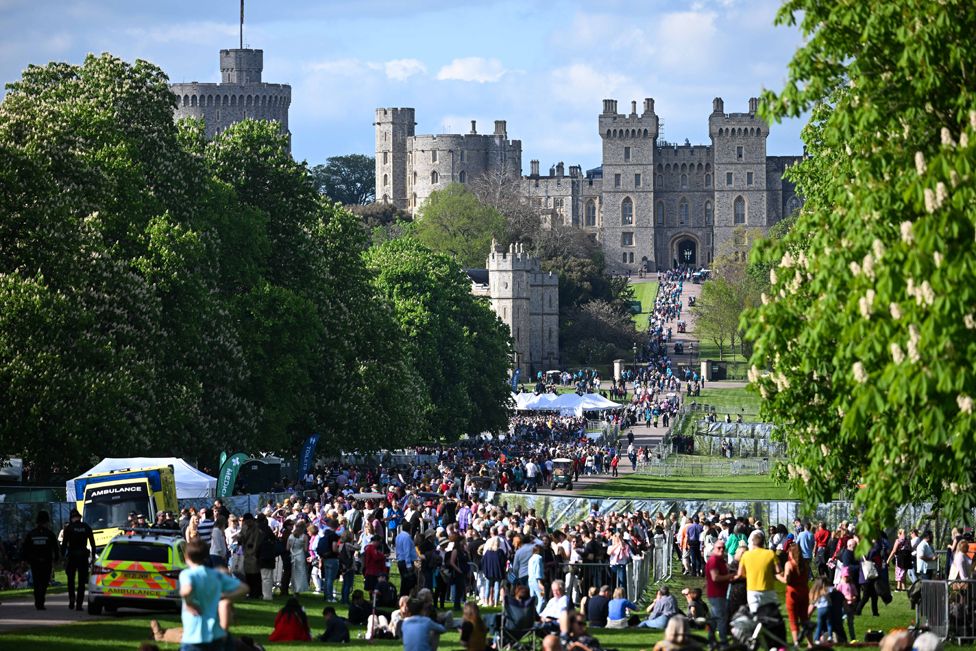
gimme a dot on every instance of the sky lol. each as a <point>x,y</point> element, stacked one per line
<point>543,65</point>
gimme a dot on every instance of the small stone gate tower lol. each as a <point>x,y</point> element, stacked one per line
<point>393,127</point>
<point>526,299</point>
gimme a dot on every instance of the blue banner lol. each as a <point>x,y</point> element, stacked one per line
<point>308,455</point>
<point>515,379</point>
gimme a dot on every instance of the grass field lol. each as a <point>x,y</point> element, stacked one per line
<point>739,488</point>
<point>645,293</point>
<point>734,401</point>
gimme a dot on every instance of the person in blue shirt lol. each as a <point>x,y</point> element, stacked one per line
<point>617,610</point>
<point>202,588</point>
<point>417,629</point>
<point>406,555</point>
<point>804,539</point>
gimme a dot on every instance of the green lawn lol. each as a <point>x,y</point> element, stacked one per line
<point>638,486</point>
<point>734,401</point>
<point>645,293</point>
<point>708,350</point>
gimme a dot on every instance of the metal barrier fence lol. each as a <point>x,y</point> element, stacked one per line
<point>948,609</point>
<point>678,466</point>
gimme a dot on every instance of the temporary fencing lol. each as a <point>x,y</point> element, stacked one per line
<point>948,609</point>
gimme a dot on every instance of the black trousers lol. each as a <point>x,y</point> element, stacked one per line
<point>254,583</point>
<point>408,577</point>
<point>76,567</point>
<point>41,576</point>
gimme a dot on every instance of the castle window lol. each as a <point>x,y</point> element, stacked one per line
<point>462,177</point>
<point>462,155</point>
<point>660,181</point>
<point>627,212</point>
<point>590,219</point>
<point>728,179</point>
<point>684,181</point>
<point>624,258</point>
<point>637,180</point>
<point>748,178</point>
<point>627,239</point>
<point>434,178</point>
<point>708,213</point>
<point>659,213</point>
<point>739,210</point>
<point>626,153</point>
<point>386,180</point>
<point>433,156</point>
<point>386,158</point>
<point>415,178</point>
<point>792,205</point>
<point>738,153</point>
<point>616,180</point>
<point>683,211</point>
<point>708,180</point>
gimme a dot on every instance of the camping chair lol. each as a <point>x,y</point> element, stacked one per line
<point>514,623</point>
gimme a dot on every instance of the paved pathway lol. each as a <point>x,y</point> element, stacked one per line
<point>20,613</point>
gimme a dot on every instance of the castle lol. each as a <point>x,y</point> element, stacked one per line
<point>652,204</point>
<point>240,94</point>
<point>526,299</point>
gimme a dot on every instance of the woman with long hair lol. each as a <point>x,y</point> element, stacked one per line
<point>796,576</point>
<point>474,633</point>
<point>493,567</point>
<point>297,550</point>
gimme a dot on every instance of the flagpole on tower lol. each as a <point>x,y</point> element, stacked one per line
<point>242,24</point>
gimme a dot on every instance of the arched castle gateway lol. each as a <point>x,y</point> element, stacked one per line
<point>651,203</point>
<point>240,94</point>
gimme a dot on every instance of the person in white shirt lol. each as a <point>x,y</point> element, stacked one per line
<point>531,473</point>
<point>557,604</point>
<point>925,557</point>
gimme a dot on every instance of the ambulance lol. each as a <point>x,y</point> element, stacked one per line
<point>138,570</point>
<point>106,499</point>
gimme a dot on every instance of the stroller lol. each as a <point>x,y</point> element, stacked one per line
<point>513,624</point>
<point>764,630</point>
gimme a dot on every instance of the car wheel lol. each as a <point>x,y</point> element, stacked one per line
<point>94,608</point>
<point>569,486</point>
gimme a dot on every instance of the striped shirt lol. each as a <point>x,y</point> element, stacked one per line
<point>205,530</point>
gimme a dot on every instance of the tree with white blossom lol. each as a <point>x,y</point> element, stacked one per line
<point>865,342</point>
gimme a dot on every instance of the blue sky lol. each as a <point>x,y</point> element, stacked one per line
<point>542,65</point>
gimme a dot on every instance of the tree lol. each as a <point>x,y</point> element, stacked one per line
<point>717,313</point>
<point>459,347</point>
<point>502,190</point>
<point>868,328</point>
<point>455,222</point>
<point>348,180</point>
<point>382,221</point>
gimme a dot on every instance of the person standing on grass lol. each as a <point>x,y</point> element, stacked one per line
<point>717,578</point>
<point>78,545</point>
<point>202,588</point>
<point>759,567</point>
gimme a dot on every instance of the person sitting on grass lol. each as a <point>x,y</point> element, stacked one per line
<point>359,609</point>
<point>697,609</point>
<point>336,628</point>
<point>619,608</point>
<point>662,609</point>
<point>418,629</point>
<point>677,636</point>
<point>291,624</point>
<point>474,633</point>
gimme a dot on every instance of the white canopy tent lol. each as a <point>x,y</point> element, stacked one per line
<point>190,482</point>
<point>567,404</point>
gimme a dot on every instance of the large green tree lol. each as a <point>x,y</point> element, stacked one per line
<point>455,222</point>
<point>349,180</point>
<point>460,348</point>
<point>868,328</point>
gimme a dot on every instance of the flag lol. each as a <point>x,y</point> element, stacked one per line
<point>227,476</point>
<point>223,458</point>
<point>308,455</point>
<point>515,379</point>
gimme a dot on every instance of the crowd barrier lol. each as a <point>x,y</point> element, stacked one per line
<point>558,510</point>
<point>948,609</point>
<point>703,467</point>
<point>16,519</point>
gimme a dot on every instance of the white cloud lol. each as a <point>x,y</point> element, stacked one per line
<point>194,32</point>
<point>401,69</point>
<point>473,69</point>
<point>686,39</point>
<point>340,67</point>
<point>582,85</point>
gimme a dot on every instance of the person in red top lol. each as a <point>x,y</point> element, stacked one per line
<point>820,540</point>
<point>374,564</point>
<point>291,624</point>
<point>717,578</point>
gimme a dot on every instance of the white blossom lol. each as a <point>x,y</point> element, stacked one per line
<point>930,206</point>
<point>824,449</point>
<point>879,248</point>
<point>855,268</point>
<point>865,302</point>
<point>963,139</point>
<point>969,321</point>
<point>907,236</point>
<point>913,339</point>
<point>764,298</point>
<point>954,178</point>
<point>965,403</point>
<point>772,276</point>
<point>895,310</point>
<point>897,355</point>
<point>946,136</point>
<point>868,266</point>
<point>787,260</point>
<point>860,375</point>
<point>925,294</point>
<point>938,259</point>
<point>753,374</point>
<point>972,119</point>
<point>941,194</point>
<point>920,163</point>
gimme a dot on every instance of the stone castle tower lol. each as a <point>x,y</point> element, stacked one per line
<point>651,204</point>
<point>410,167</point>
<point>240,94</point>
<point>526,299</point>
